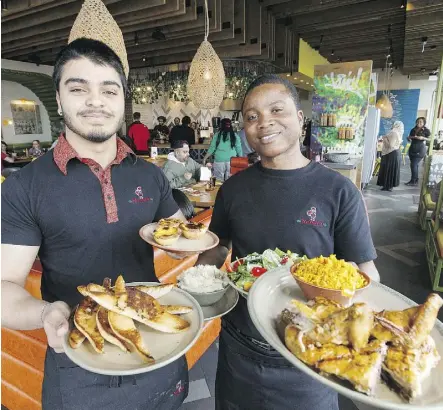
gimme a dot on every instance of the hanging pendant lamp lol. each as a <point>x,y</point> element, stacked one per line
<point>206,80</point>
<point>384,103</point>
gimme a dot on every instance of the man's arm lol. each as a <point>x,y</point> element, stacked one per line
<point>215,256</point>
<point>175,181</point>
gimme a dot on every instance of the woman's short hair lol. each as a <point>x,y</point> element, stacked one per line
<point>421,118</point>
<point>183,203</point>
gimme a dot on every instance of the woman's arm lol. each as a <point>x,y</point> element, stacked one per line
<point>211,150</point>
<point>238,148</point>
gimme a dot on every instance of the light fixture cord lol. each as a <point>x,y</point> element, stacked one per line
<point>206,20</point>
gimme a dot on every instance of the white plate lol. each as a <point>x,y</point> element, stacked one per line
<point>164,347</point>
<point>208,241</point>
<point>271,293</point>
<point>223,306</point>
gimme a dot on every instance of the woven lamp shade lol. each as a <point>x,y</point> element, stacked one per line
<point>206,80</point>
<point>385,106</point>
<point>96,23</point>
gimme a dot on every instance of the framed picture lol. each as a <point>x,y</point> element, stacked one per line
<point>26,117</point>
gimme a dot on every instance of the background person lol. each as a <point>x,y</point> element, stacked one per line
<point>6,155</point>
<point>183,132</point>
<point>225,145</point>
<point>139,133</point>
<point>161,127</point>
<point>389,174</point>
<point>35,150</point>
<point>180,169</point>
<point>417,151</point>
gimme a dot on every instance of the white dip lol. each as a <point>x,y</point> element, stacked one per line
<point>202,279</point>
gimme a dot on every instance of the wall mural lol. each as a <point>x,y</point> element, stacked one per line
<point>405,106</point>
<point>340,103</point>
<point>26,117</point>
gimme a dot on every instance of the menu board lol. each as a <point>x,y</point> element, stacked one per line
<point>340,104</point>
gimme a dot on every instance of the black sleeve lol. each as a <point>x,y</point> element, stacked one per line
<point>167,206</point>
<point>427,133</point>
<point>412,132</point>
<point>19,226</point>
<point>220,220</point>
<point>352,235</point>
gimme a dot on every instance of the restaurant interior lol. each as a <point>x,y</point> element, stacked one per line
<point>358,66</point>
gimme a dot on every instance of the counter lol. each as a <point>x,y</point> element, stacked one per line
<point>197,151</point>
<point>350,169</point>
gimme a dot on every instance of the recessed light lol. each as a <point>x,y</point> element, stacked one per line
<point>302,81</point>
<point>295,78</point>
<point>288,75</point>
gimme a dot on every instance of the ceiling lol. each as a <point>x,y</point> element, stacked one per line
<point>267,30</point>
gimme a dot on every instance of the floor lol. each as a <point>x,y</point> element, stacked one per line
<point>401,263</point>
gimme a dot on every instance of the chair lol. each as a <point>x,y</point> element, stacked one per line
<point>434,245</point>
<point>238,164</point>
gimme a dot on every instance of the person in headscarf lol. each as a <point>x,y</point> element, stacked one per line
<point>389,175</point>
<point>225,145</point>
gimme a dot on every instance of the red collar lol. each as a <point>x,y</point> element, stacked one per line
<point>63,153</point>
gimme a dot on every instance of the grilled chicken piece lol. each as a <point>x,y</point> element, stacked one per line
<point>424,320</point>
<point>362,369</point>
<point>135,304</point>
<point>76,338</point>
<point>106,331</point>
<point>350,326</point>
<point>410,327</point>
<point>310,352</point>
<point>156,291</point>
<point>404,370</point>
<point>85,321</point>
<point>125,329</point>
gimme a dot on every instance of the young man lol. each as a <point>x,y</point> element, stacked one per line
<point>180,169</point>
<point>80,208</point>
<point>267,206</point>
<point>161,127</point>
<point>183,132</point>
<point>139,133</point>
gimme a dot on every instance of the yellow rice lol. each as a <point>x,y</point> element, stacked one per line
<point>330,273</point>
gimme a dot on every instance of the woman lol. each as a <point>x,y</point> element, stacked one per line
<point>224,146</point>
<point>6,156</point>
<point>389,175</point>
<point>36,150</point>
<point>417,151</point>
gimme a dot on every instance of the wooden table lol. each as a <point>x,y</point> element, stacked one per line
<point>206,199</point>
<point>159,161</point>
<point>18,162</point>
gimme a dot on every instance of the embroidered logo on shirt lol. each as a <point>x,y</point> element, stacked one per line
<point>312,215</point>
<point>140,196</point>
<point>179,388</point>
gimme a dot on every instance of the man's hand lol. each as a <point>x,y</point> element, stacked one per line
<point>55,322</point>
<point>188,176</point>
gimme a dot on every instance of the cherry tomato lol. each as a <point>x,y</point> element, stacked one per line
<point>237,264</point>
<point>258,271</point>
<point>284,261</point>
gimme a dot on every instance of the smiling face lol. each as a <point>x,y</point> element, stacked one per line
<point>176,121</point>
<point>271,120</point>
<point>35,144</point>
<point>420,123</point>
<point>92,99</point>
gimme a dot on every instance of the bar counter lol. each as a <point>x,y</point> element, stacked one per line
<point>350,169</point>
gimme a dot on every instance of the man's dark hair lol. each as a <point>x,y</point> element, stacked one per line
<point>274,79</point>
<point>161,118</point>
<point>93,50</point>
<point>179,144</point>
<point>136,116</point>
<point>186,120</point>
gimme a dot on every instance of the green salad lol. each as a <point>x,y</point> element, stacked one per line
<point>244,272</point>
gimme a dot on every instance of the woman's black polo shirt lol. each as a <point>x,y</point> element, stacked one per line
<point>86,221</point>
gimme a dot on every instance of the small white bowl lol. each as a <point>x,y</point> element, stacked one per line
<point>208,298</point>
